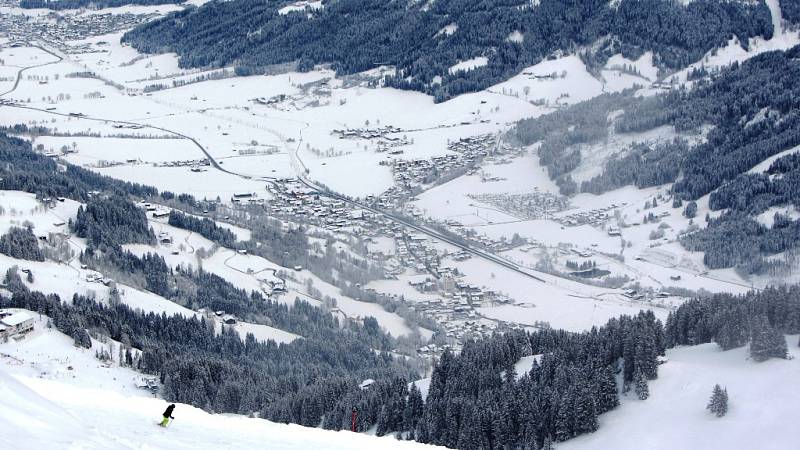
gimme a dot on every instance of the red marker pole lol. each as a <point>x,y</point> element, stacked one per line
<point>353,418</point>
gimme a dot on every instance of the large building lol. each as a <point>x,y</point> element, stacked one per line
<point>15,323</point>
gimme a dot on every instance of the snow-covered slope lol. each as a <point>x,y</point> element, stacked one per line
<point>762,414</point>
<point>56,396</point>
<point>38,413</point>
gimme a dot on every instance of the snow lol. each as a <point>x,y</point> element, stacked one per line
<point>470,64</point>
<point>301,6</point>
<point>762,397</point>
<point>92,150</point>
<point>764,165</point>
<point>16,319</point>
<point>53,395</point>
<point>644,65</point>
<point>575,86</point>
<point>516,37</point>
<point>448,30</point>
<point>525,364</point>
<point>767,218</point>
<point>733,52</point>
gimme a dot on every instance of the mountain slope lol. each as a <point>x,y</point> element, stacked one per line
<point>761,398</point>
<point>55,395</point>
<point>38,413</point>
<point>428,41</point>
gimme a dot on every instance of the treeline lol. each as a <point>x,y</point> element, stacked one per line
<point>641,165</point>
<point>21,243</point>
<point>561,133</point>
<point>356,35</point>
<point>217,371</point>
<point>737,240</point>
<point>204,227</point>
<point>22,169</point>
<point>759,319</point>
<point>753,108</point>
<point>790,11</point>
<point>96,4</point>
<point>755,193</point>
<point>112,221</point>
<point>476,399</point>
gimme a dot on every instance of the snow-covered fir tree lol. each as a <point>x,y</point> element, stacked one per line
<point>640,387</point>
<point>718,403</point>
<point>766,342</point>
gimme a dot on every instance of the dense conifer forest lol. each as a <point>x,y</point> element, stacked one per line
<point>357,35</point>
<point>751,113</point>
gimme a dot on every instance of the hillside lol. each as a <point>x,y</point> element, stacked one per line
<point>448,47</point>
<point>53,395</point>
<point>761,398</point>
<point>728,140</point>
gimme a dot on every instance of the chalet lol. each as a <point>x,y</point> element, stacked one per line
<point>228,319</point>
<point>147,383</point>
<point>16,323</point>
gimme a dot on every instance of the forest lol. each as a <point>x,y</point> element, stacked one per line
<point>747,112</point>
<point>204,227</point>
<point>357,35</point>
<point>21,243</point>
<point>476,398</point>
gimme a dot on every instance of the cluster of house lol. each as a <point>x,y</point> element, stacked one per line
<point>459,319</point>
<point>15,325</point>
<point>95,277</point>
<point>596,216</point>
<point>156,211</point>
<point>61,30</point>
<point>218,316</point>
<point>312,94</point>
<point>293,200</point>
<point>414,250</point>
<point>194,164</point>
<point>382,133</point>
<point>412,175</point>
<point>529,206</point>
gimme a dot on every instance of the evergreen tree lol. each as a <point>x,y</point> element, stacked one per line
<point>81,338</point>
<point>718,404</point>
<point>765,341</point>
<point>641,389</point>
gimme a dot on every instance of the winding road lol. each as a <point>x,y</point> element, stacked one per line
<point>301,171</point>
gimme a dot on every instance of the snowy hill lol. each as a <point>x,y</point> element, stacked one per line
<point>53,395</point>
<point>762,397</point>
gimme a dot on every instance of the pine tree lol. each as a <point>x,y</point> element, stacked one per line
<point>718,404</point>
<point>641,389</point>
<point>81,338</point>
<point>765,341</point>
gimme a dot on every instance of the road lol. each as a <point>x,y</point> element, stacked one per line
<point>301,170</point>
<point>20,71</point>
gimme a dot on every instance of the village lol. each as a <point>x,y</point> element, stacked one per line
<point>528,206</point>
<point>56,30</point>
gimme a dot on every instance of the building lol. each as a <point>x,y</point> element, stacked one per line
<point>16,323</point>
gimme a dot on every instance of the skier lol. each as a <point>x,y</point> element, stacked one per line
<point>167,415</point>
